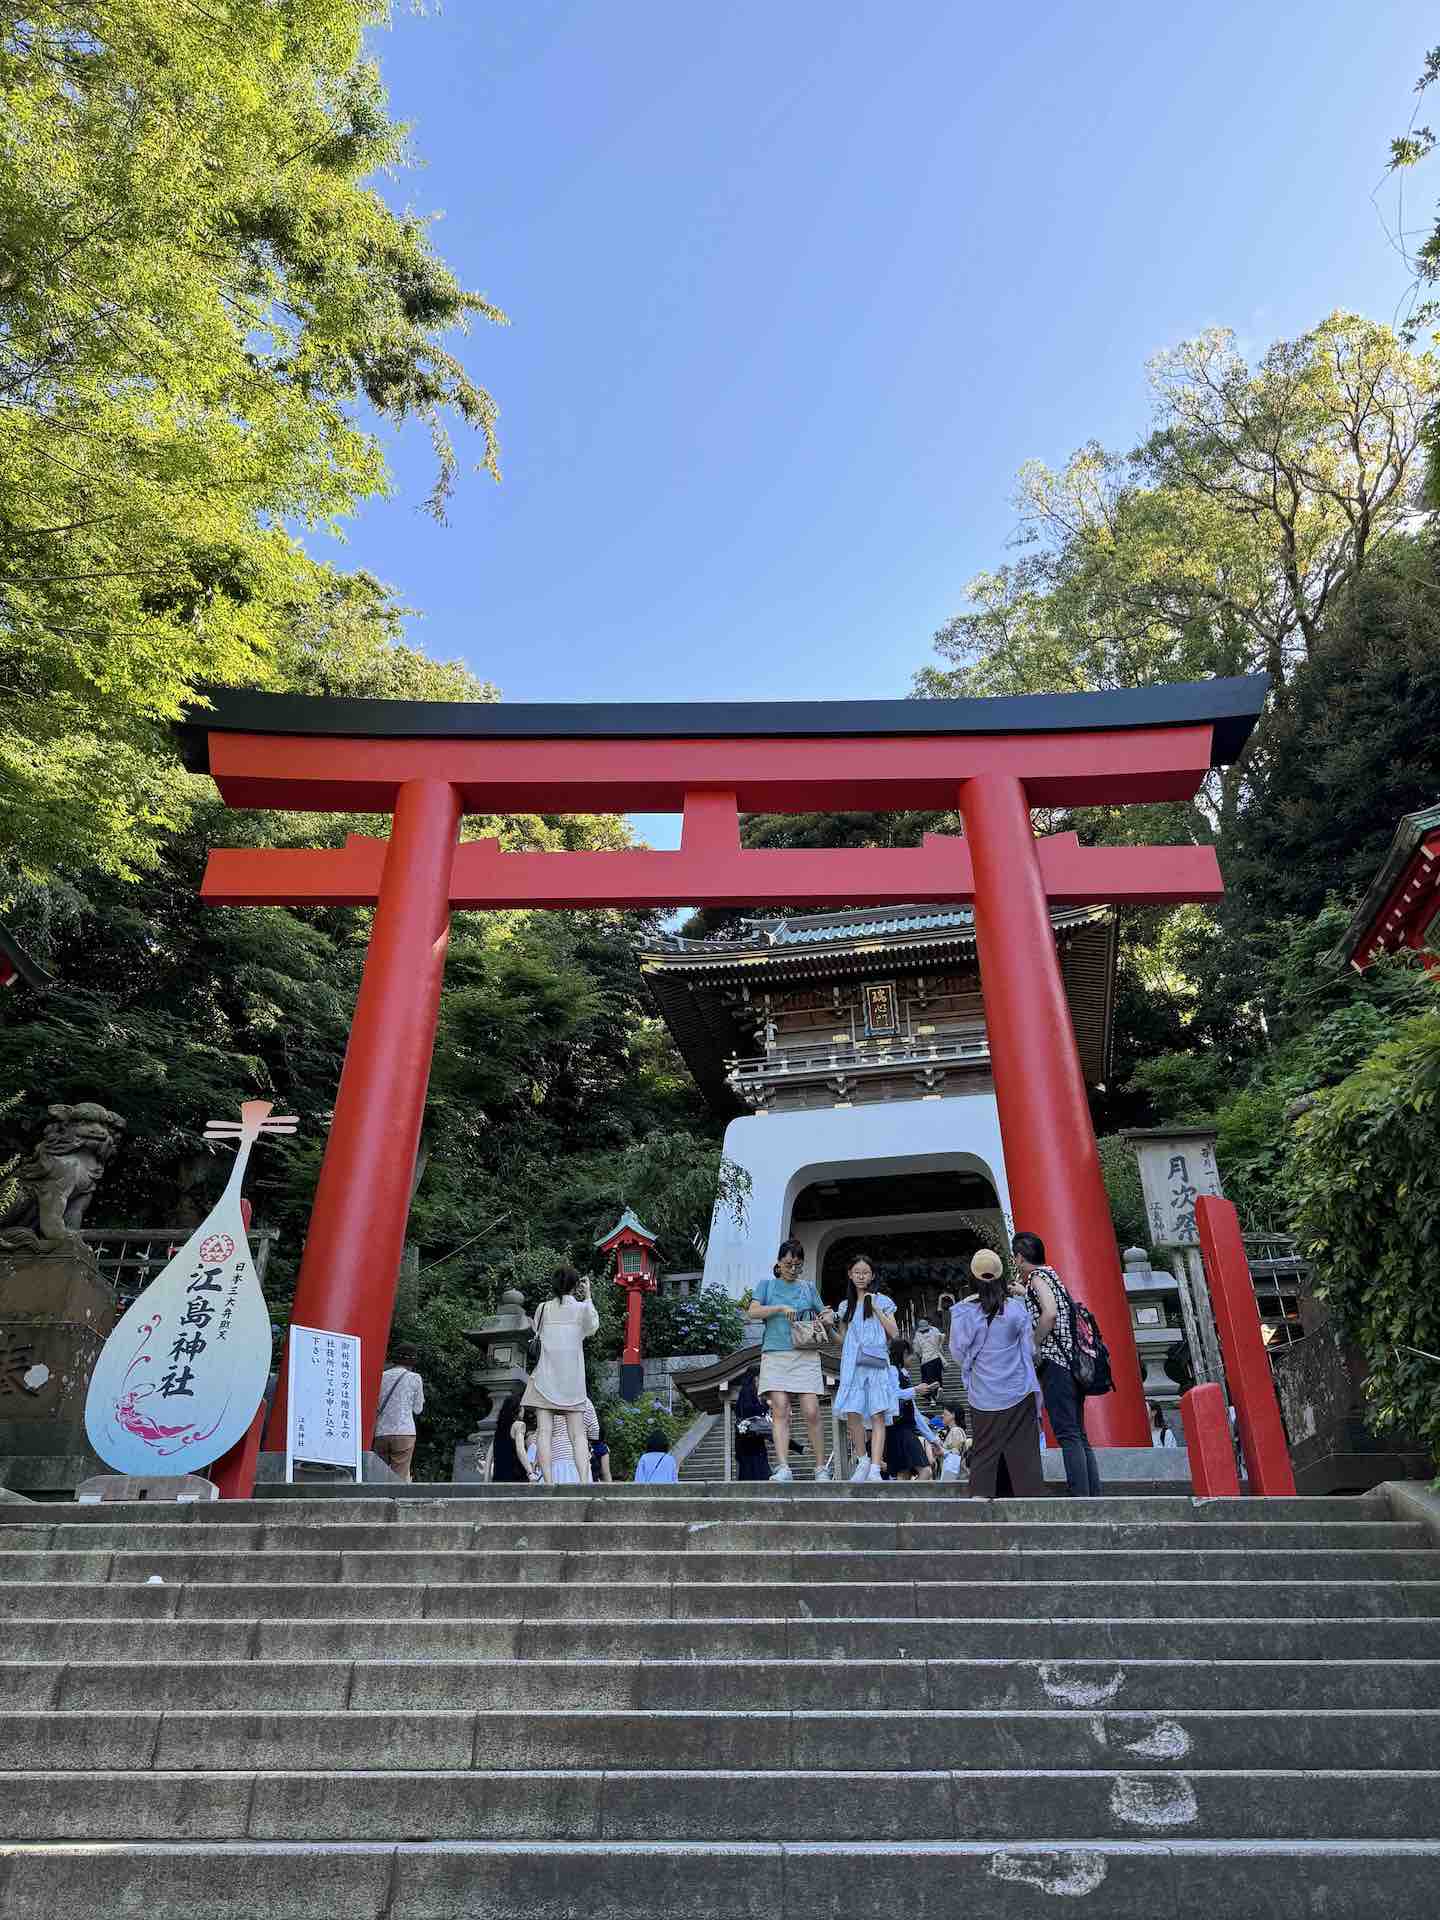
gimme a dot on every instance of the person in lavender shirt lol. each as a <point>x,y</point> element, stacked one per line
<point>992,1340</point>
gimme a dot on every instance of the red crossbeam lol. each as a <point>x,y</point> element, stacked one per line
<point>654,776</point>
<point>712,869</point>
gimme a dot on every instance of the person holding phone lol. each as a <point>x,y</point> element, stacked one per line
<point>556,1389</point>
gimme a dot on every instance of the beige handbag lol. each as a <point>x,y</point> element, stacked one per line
<point>808,1335</point>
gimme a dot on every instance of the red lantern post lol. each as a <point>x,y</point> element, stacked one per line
<point>636,1270</point>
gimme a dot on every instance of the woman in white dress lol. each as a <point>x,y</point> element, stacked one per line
<point>557,1387</point>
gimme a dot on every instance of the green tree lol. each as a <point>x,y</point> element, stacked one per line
<point>199,294</point>
<point>1235,539</point>
<point>1320,1021</point>
<point>1217,546</point>
<point>1352,744</point>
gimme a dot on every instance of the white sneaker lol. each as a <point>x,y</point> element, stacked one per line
<point>876,1473</point>
<point>824,1473</point>
<point>782,1473</point>
<point>862,1472</point>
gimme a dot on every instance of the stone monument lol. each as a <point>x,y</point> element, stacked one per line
<point>55,1309</point>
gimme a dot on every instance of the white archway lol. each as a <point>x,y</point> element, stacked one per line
<point>786,1152</point>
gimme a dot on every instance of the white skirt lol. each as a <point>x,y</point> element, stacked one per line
<point>790,1372</point>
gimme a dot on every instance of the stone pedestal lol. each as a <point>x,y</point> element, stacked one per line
<point>270,1472</point>
<point>1155,1313</point>
<point>55,1312</point>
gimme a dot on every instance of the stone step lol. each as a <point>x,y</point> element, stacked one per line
<point>753,1534</point>
<point>882,1678</point>
<point>840,1739</point>
<point>908,1500</point>
<point>522,1566</point>
<point>835,1598</point>
<point>658,1880</point>
<point>72,1632</point>
<point>635,1804</point>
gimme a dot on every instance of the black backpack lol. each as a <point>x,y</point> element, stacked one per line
<point>1089,1355</point>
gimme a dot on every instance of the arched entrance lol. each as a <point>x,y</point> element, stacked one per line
<point>920,1224</point>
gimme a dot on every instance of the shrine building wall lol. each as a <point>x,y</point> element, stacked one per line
<point>785,1152</point>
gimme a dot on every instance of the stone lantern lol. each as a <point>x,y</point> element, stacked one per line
<point>637,1271</point>
<point>500,1368</point>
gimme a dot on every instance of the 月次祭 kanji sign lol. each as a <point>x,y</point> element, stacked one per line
<point>178,1381</point>
<point>1176,1170</point>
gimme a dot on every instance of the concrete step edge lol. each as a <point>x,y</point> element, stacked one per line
<point>301,1850</point>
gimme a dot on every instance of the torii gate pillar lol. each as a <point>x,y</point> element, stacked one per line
<point>1052,1164</point>
<point>362,1201</point>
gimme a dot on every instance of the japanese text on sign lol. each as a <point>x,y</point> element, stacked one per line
<point>324,1402</point>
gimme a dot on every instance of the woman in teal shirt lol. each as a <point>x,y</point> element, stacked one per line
<point>785,1369</point>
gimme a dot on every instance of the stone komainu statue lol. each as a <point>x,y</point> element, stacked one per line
<point>59,1176</point>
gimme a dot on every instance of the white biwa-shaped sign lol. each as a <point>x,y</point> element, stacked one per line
<point>179,1380</point>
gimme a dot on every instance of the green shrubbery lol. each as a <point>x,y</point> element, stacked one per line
<point>628,1423</point>
<point>1363,1180</point>
<point>708,1322</point>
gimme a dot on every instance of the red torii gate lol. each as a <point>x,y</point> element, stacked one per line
<point>429,763</point>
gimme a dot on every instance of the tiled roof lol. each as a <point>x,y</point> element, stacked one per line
<point>627,1219</point>
<point>814,929</point>
<point>828,929</point>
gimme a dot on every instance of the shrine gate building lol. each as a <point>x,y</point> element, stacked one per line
<point>850,1053</point>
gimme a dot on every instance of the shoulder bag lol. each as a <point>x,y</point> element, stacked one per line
<point>532,1345</point>
<point>867,1354</point>
<point>394,1384</point>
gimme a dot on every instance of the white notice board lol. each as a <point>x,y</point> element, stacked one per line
<point>323,1411</point>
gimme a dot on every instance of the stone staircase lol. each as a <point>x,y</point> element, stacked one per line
<point>706,1459</point>
<point>627,1703</point>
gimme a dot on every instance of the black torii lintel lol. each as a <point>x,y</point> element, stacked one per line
<point>1230,707</point>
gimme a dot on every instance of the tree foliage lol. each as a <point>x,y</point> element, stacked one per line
<point>1352,744</point>
<point>1216,546</point>
<point>199,296</point>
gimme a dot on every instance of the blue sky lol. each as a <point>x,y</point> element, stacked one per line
<point>796,287</point>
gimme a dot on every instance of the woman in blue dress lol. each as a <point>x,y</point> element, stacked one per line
<point>867,1394</point>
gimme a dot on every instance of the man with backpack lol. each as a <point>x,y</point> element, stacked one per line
<point>1070,1361</point>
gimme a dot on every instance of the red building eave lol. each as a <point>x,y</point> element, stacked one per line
<point>1403,899</point>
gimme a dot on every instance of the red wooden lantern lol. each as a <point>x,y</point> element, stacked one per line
<point>637,1271</point>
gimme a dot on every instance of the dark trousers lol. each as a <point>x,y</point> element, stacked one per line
<point>1066,1408</point>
